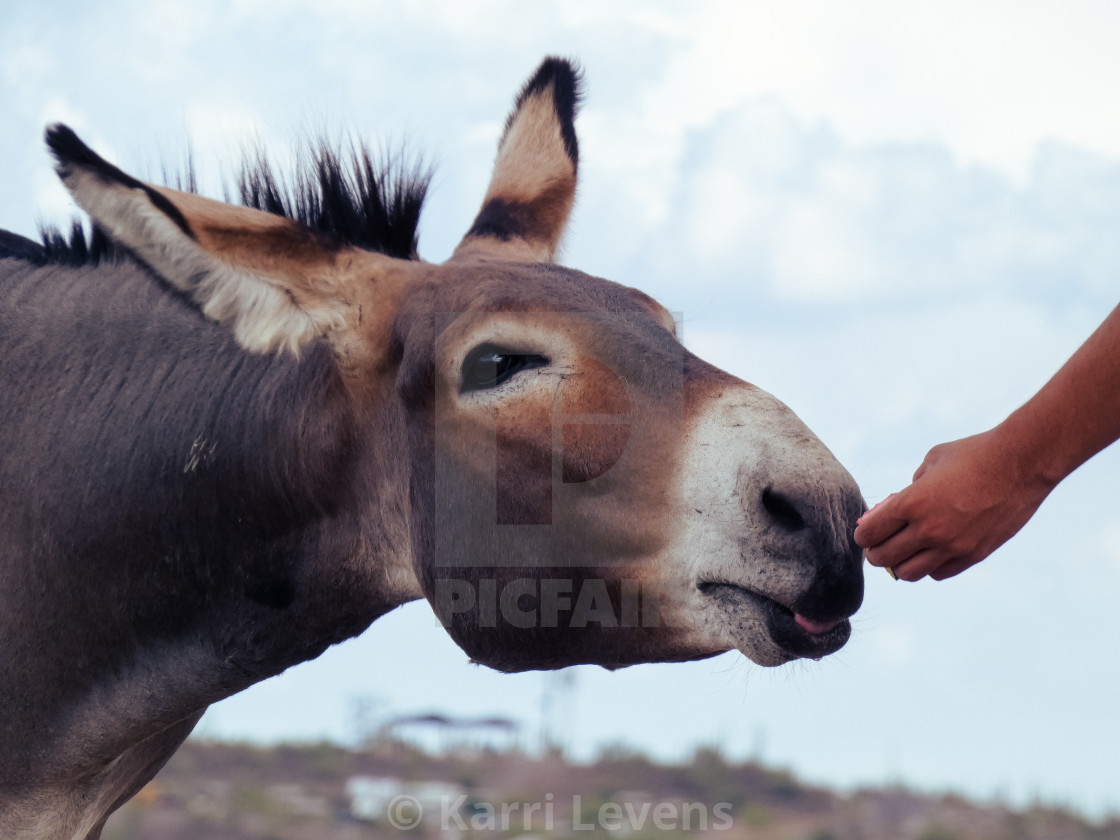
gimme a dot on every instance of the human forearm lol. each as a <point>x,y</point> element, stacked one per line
<point>970,496</point>
<point>1075,415</point>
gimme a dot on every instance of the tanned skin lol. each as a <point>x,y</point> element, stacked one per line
<point>972,495</point>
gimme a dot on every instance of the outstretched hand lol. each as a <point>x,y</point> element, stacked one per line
<point>968,498</point>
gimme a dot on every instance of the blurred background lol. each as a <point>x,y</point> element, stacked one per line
<point>898,218</point>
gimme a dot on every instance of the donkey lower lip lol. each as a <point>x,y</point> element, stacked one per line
<point>781,621</point>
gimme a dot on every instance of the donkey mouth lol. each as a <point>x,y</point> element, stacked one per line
<point>796,634</point>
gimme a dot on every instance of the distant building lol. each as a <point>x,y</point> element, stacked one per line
<point>443,734</point>
<point>371,799</point>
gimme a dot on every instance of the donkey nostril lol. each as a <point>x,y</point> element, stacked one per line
<point>782,510</point>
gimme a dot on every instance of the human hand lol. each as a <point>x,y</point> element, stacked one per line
<point>967,499</point>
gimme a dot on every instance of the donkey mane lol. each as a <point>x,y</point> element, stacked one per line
<point>339,189</point>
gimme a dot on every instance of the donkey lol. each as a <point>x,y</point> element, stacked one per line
<point>235,435</point>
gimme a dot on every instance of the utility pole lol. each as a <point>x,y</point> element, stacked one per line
<point>557,710</point>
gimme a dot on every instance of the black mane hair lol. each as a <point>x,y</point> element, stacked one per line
<point>339,190</point>
<point>76,247</point>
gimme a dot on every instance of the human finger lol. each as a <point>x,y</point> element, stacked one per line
<point>896,549</point>
<point>918,565</point>
<point>880,523</point>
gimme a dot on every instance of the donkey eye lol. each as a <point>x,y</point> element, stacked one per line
<point>488,367</point>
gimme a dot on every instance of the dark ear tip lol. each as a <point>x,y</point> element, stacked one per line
<point>66,146</point>
<point>564,73</point>
<point>59,136</point>
<point>565,78</point>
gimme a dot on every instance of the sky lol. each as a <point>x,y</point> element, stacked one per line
<point>899,218</point>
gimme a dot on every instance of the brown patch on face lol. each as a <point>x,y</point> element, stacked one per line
<point>592,443</point>
<point>591,449</point>
<point>523,465</point>
<point>704,383</point>
<point>591,414</point>
<point>595,389</point>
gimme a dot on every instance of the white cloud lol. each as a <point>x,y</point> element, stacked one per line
<point>764,206</point>
<point>988,79</point>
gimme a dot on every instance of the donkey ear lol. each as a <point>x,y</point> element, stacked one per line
<point>274,282</point>
<point>534,181</point>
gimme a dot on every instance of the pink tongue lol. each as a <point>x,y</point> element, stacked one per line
<point>814,627</point>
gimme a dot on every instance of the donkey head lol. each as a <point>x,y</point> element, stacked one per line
<point>567,483</point>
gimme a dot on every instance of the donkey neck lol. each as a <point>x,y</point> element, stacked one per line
<point>214,532</point>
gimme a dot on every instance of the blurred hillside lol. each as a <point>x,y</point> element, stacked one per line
<point>221,791</point>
